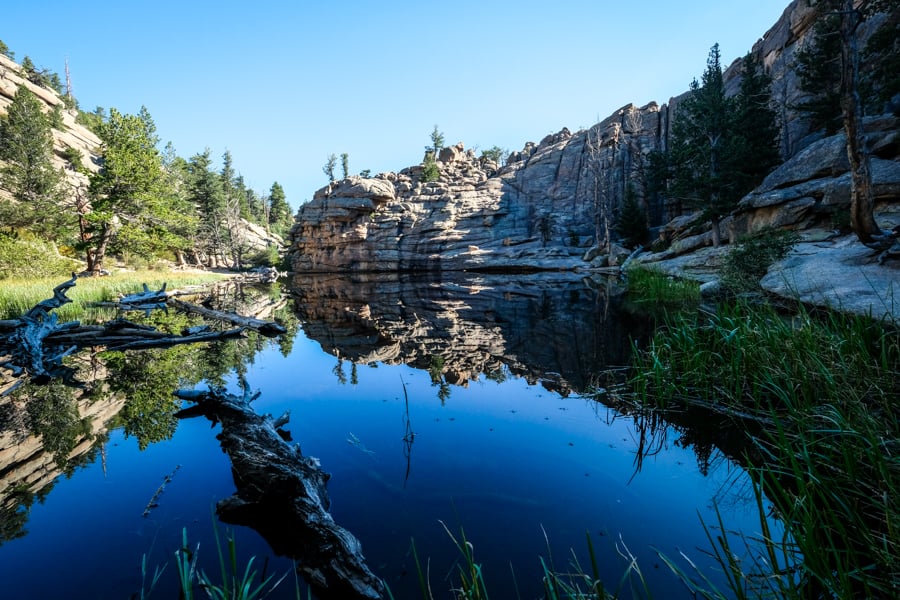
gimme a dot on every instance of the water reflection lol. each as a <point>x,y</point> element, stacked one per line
<point>460,400</point>
<point>48,430</point>
<point>560,330</point>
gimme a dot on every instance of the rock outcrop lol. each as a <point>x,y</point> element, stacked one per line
<point>537,212</point>
<point>546,209</point>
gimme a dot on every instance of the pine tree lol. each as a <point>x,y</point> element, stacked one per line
<point>753,146</point>
<point>130,200</point>
<point>437,140</point>
<point>280,217</point>
<point>234,227</point>
<point>5,51</point>
<point>430,170</point>
<point>632,223</point>
<point>28,174</point>
<point>330,164</point>
<point>880,81</point>
<point>700,138</point>
<point>205,192</point>
<point>345,164</point>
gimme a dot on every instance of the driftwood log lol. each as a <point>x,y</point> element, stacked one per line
<point>24,348</point>
<point>266,328</point>
<point>281,494</point>
<point>153,299</point>
<point>34,345</point>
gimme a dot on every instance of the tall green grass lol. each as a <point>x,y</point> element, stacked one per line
<point>651,287</point>
<point>822,393</point>
<point>19,295</point>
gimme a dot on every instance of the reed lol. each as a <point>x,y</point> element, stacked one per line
<point>236,583</point>
<point>822,395</point>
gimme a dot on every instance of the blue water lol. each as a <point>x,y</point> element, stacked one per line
<point>524,472</point>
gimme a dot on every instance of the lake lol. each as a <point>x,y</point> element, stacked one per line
<point>440,407</point>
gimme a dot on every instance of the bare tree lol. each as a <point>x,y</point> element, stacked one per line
<point>601,163</point>
<point>862,201</point>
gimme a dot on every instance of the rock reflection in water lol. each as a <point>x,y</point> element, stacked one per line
<point>559,329</point>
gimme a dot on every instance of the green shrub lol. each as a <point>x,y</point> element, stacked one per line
<point>751,257</point>
<point>32,259</point>
<point>56,118</point>
<point>75,158</point>
<point>431,172</point>
<point>265,257</point>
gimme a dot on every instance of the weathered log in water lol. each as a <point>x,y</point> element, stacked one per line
<point>281,494</point>
<point>34,345</point>
<point>25,346</point>
<point>266,328</point>
<point>150,299</point>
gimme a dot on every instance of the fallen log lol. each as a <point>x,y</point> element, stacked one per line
<point>266,328</point>
<point>26,347</point>
<point>281,494</point>
<point>34,345</point>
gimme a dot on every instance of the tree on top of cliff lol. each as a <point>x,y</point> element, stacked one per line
<point>437,141</point>
<point>5,51</point>
<point>328,168</point>
<point>28,174</point>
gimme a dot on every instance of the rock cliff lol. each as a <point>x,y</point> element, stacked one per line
<point>542,210</point>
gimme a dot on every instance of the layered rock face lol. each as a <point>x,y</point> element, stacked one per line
<point>549,206</point>
<point>538,211</point>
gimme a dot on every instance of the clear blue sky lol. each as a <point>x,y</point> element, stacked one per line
<point>282,84</point>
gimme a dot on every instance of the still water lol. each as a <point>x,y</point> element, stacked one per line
<point>438,406</point>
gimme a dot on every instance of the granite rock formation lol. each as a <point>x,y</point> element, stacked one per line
<point>545,209</point>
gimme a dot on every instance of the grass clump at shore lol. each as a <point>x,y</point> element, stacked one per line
<point>19,295</point>
<point>648,286</point>
<point>818,399</point>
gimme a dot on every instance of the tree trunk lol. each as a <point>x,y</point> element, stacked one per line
<point>862,201</point>
<point>716,234</point>
<point>95,258</point>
